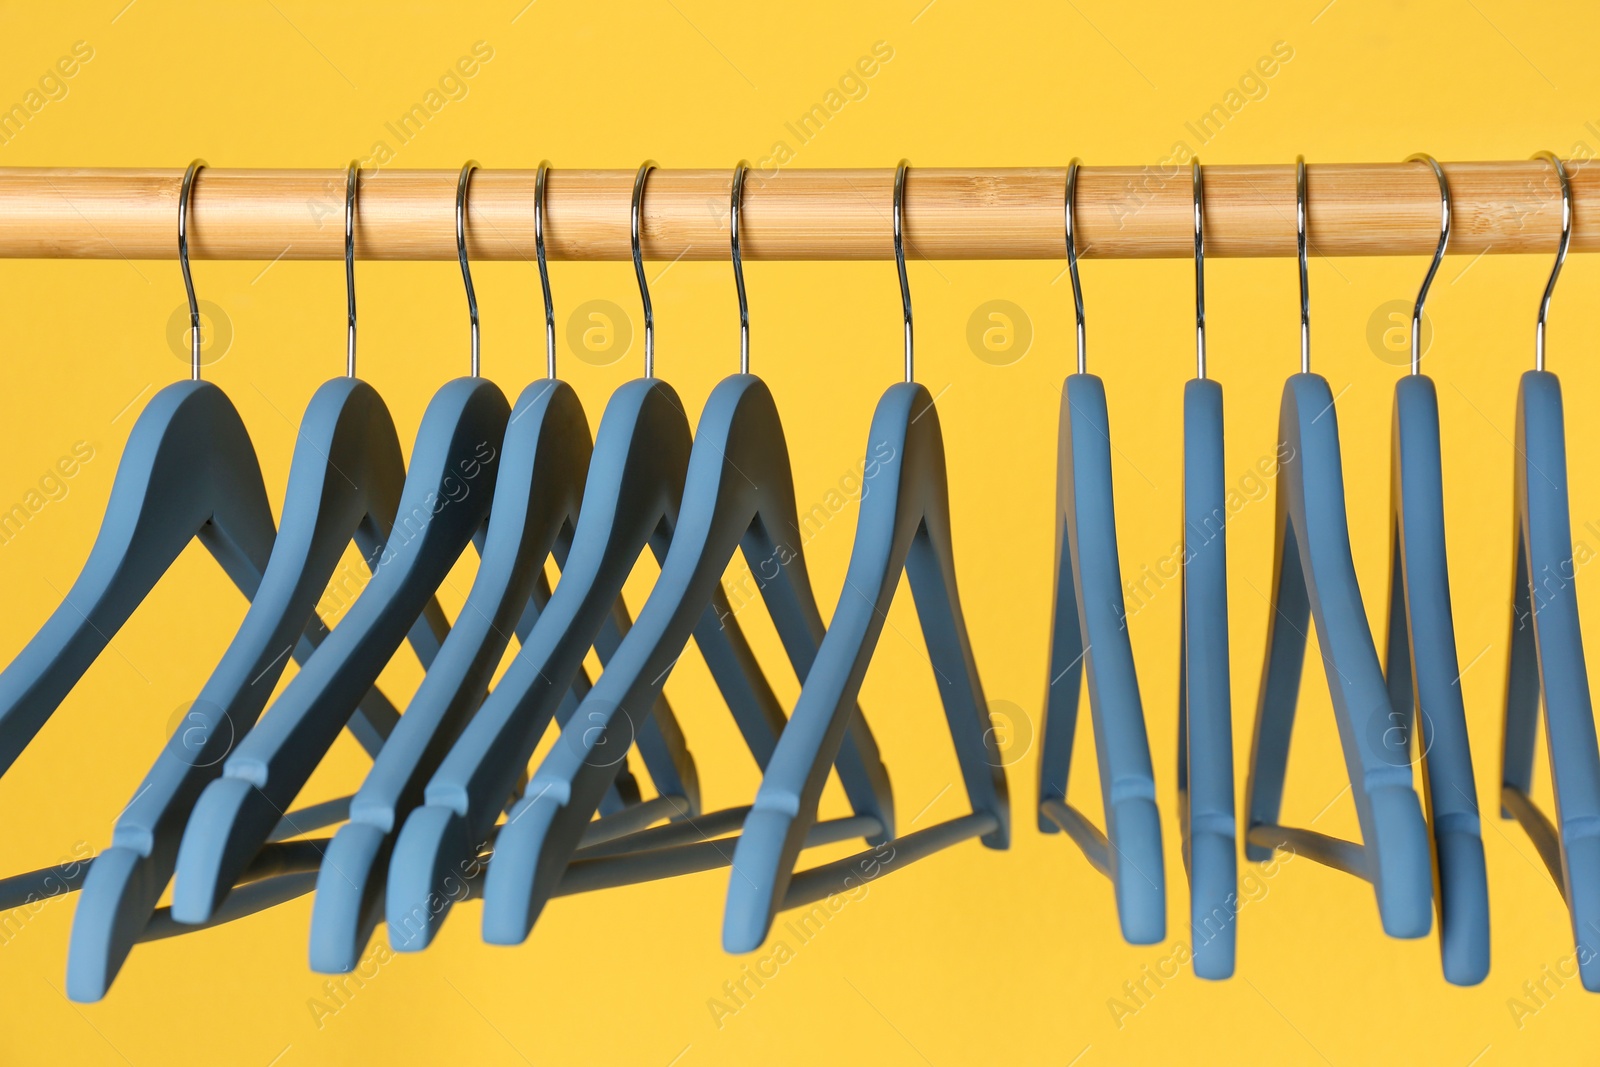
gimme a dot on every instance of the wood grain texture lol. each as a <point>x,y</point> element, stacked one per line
<point>1355,209</point>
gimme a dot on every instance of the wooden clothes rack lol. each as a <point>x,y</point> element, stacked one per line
<point>1354,209</point>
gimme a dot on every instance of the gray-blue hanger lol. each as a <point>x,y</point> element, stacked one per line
<point>1090,629</point>
<point>632,499</point>
<point>738,494</point>
<point>1423,671</point>
<point>545,461</point>
<point>1547,649</point>
<point>345,482</point>
<point>1205,706</point>
<point>189,471</point>
<point>1314,579</point>
<point>446,496</point>
<point>904,529</point>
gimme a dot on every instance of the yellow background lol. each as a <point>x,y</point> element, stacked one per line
<point>971,956</point>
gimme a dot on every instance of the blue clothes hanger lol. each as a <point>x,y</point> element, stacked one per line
<point>1547,650</point>
<point>1314,579</point>
<point>446,496</point>
<point>1090,629</point>
<point>904,528</point>
<point>1423,671</point>
<point>1205,706</point>
<point>632,499</point>
<point>345,481</point>
<point>189,471</point>
<point>739,493</point>
<point>543,467</point>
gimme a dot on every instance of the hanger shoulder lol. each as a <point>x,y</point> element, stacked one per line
<point>1546,521</point>
<point>1205,712</point>
<point>1547,659</point>
<point>904,525</point>
<point>345,481</point>
<point>1132,849</point>
<point>1320,581</point>
<point>1058,727</point>
<point>773,545</point>
<point>189,471</point>
<point>631,500</point>
<point>634,483</point>
<point>931,569</point>
<point>738,489</point>
<point>539,491</point>
<point>1424,675</point>
<point>537,494</point>
<point>445,498</point>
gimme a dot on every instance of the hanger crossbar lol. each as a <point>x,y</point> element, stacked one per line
<point>1342,855</point>
<point>1539,828</point>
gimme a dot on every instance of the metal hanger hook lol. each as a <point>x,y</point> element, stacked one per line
<point>352,179</point>
<point>1199,269</point>
<point>900,256</point>
<point>1305,273</point>
<point>185,194</point>
<point>544,269</point>
<point>461,254</point>
<point>1561,255</point>
<point>1072,261</point>
<point>735,205</point>
<point>1438,258</point>
<point>638,267</point>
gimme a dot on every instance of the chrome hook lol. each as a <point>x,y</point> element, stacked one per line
<point>735,205</point>
<point>1305,273</point>
<point>1438,257</point>
<point>1072,260</point>
<point>638,268</point>
<point>185,193</point>
<point>900,255</point>
<point>461,253</point>
<point>1199,270</point>
<point>1561,255</point>
<point>350,182</point>
<point>544,269</point>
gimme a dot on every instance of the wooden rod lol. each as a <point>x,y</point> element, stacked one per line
<point>1355,209</point>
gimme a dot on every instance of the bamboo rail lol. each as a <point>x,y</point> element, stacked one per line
<point>1354,209</point>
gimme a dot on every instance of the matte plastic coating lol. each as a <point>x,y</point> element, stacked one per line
<point>1090,634</point>
<point>1314,580</point>
<point>904,528</point>
<point>1547,660</point>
